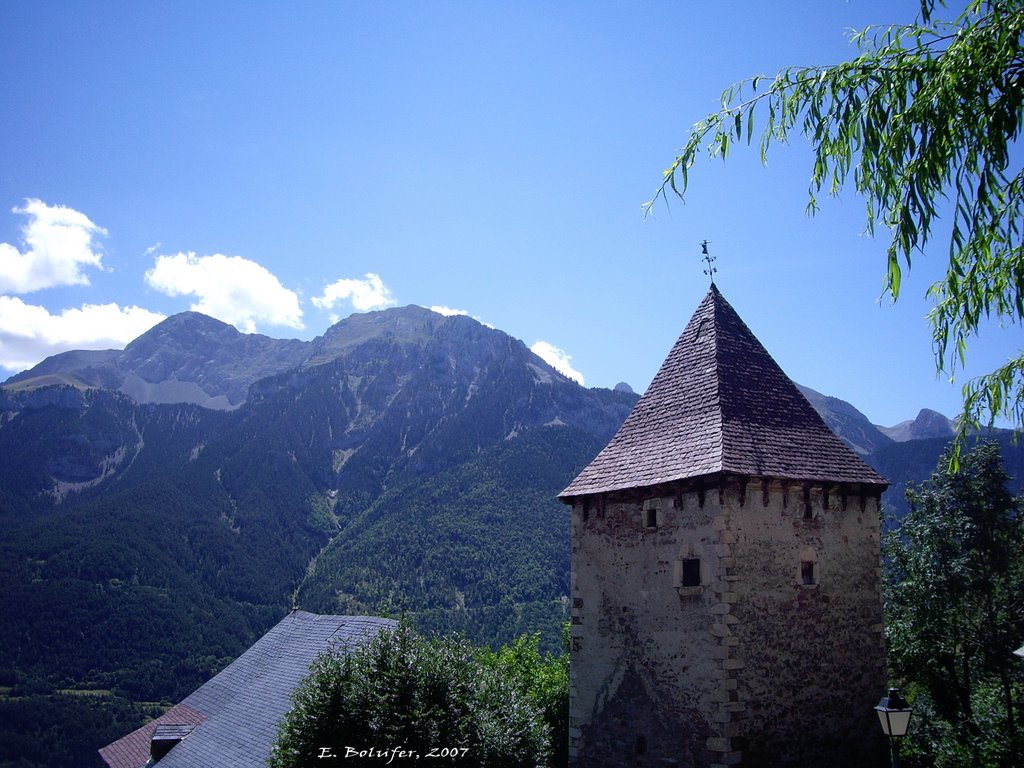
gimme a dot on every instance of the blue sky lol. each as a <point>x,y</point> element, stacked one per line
<point>281,165</point>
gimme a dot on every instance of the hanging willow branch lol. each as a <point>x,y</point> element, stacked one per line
<point>926,117</point>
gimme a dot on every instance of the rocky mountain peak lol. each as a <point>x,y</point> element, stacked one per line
<point>183,330</point>
<point>927,423</point>
<point>160,351</point>
<point>193,358</point>
<point>403,325</point>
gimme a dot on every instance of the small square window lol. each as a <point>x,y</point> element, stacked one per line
<point>691,572</point>
<point>807,572</point>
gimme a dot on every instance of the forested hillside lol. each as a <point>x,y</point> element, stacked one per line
<point>912,462</point>
<point>480,548</point>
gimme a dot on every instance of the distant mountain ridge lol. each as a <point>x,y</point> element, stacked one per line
<point>926,425</point>
<point>193,358</point>
<point>187,358</point>
<point>369,366</point>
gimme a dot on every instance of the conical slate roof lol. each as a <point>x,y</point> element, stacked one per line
<point>720,404</point>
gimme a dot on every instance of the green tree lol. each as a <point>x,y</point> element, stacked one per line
<point>927,112</point>
<point>544,679</point>
<point>425,696</point>
<point>955,612</point>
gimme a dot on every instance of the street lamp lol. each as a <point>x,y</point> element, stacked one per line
<point>894,714</point>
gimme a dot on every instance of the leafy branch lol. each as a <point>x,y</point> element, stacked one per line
<point>923,122</point>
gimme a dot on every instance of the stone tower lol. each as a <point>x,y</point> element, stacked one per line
<point>726,576</point>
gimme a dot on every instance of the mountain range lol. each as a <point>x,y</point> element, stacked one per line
<point>193,358</point>
<point>163,505</point>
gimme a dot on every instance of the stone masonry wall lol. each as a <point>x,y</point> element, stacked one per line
<point>774,659</point>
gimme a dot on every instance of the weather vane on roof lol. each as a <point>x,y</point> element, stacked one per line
<point>709,260</point>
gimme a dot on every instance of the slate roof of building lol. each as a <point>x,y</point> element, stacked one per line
<point>720,404</point>
<point>236,714</point>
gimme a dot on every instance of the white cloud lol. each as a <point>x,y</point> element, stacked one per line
<point>59,242</point>
<point>557,359</point>
<point>364,295</point>
<point>230,288</point>
<point>29,333</point>
<point>448,311</point>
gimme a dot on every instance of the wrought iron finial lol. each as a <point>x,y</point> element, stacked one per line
<point>709,260</point>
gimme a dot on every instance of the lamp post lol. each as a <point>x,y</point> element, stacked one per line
<point>894,713</point>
